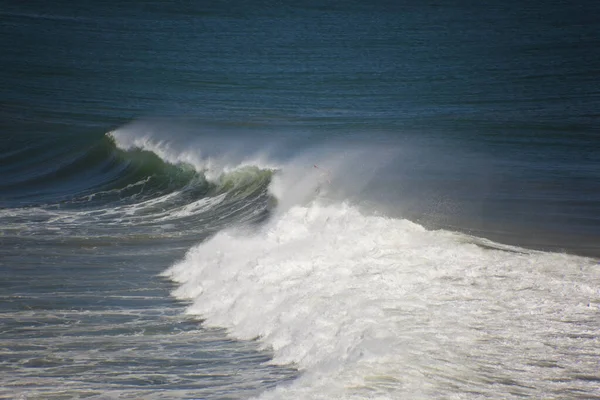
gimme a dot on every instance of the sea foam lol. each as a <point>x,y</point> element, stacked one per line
<point>372,307</point>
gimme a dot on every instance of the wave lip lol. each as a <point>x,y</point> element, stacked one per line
<point>197,154</point>
<point>367,306</point>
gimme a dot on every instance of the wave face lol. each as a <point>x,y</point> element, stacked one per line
<point>114,183</point>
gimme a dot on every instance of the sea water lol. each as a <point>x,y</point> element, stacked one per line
<point>318,201</point>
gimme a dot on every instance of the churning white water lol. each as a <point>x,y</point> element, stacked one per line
<point>372,307</point>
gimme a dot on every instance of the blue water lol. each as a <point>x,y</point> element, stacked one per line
<point>177,180</point>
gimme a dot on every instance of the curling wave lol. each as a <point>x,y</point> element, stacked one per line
<point>110,185</point>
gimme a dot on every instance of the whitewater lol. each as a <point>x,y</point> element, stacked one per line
<point>371,307</point>
<point>366,305</point>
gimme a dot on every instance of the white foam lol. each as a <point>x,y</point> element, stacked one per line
<point>372,307</point>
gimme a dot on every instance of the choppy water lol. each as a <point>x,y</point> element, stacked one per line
<point>226,201</point>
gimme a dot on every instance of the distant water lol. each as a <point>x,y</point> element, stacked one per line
<point>375,200</point>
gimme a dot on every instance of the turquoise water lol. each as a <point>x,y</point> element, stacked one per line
<point>368,200</point>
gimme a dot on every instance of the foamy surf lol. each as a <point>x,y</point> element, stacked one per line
<point>372,307</point>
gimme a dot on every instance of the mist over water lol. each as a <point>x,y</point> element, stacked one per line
<point>314,201</point>
<point>517,198</point>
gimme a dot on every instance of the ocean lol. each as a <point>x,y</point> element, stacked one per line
<point>299,200</point>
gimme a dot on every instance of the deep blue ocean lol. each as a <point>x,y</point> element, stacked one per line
<point>299,200</point>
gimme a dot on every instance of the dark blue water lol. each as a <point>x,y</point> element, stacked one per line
<point>131,132</point>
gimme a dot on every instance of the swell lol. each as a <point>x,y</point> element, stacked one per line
<point>39,174</point>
